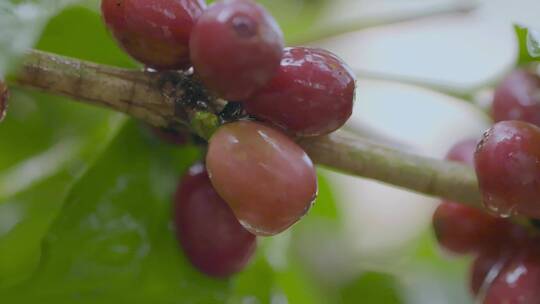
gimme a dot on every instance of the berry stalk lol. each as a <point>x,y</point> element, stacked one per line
<point>175,99</point>
<point>162,99</point>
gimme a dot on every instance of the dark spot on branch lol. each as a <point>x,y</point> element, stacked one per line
<point>186,92</point>
<point>233,111</point>
<point>535,223</point>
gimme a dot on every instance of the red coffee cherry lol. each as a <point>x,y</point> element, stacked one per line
<point>507,164</point>
<point>463,152</point>
<point>154,32</point>
<point>518,98</point>
<point>507,239</point>
<point>311,94</point>
<point>236,47</point>
<point>518,280</point>
<point>486,262</point>
<point>458,228</point>
<point>461,229</point>
<point>266,178</point>
<point>212,238</point>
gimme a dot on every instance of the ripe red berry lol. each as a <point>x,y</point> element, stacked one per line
<point>518,98</point>
<point>463,152</point>
<point>236,47</point>
<point>4,96</point>
<point>484,263</point>
<point>170,136</point>
<point>518,281</point>
<point>154,32</point>
<point>212,238</point>
<point>311,94</point>
<point>458,228</point>
<point>461,229</point>
<point>507,162</point>
<point>266,178</point>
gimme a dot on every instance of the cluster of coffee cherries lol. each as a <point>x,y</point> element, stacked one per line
<point>506,268</point>
<point>255,181</point>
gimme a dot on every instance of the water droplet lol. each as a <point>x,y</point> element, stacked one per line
<point>492,274</point>
<point>499,207</point>
<point>253,229</point>
<point>533,43</point>
<point>513,277</point>
<point>149,70</point>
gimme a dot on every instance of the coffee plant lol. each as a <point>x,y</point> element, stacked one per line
<point>187,171</point>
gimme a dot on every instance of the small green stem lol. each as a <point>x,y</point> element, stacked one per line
<point>205,124</point>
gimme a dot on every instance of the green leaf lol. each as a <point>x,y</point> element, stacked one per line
<point>87,38</point>
<point>21,24</point>
<point>47,143</point>
<point>256,284</point>
<point>107,198</point>
<point>295,17</point>
<point>325,206</point>
<point>533,44</point>
<point>529,48</point>
<point>114,233</point>
<point>372,288</point>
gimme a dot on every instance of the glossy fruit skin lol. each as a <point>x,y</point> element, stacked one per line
<point>507,239</point>
<point>481,267</point>
<point>236,47</point>
<point>463,152</point>
<point>458,228</point>
<point>311,94</point>
<point>518,280</point>
<point>461,229</point>
<point>266,178</point>
<point>154,32</point>
<point>212,238</point>
<point>517,97</point>
<point>4,97</point>
<point>507,162</point>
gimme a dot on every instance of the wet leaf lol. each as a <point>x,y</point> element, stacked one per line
<point>528,42</point>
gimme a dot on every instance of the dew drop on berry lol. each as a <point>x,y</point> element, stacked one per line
<point>462,229</point>
<point>507,163</point>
